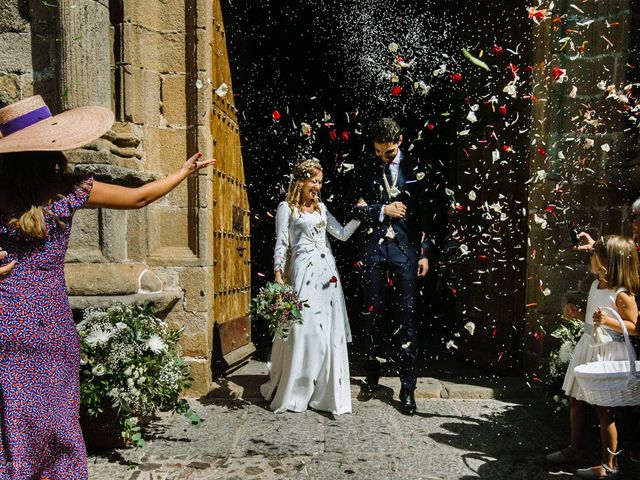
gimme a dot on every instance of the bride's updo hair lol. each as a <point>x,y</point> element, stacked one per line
<point>301,173</point>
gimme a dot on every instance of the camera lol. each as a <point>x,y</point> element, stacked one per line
<point>573,233</point>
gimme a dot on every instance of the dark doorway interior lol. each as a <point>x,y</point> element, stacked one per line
<point>298,61</point>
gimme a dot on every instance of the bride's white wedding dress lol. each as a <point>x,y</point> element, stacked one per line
<point>311,368</point>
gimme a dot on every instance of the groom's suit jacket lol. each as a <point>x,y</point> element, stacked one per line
<point>368,183</point>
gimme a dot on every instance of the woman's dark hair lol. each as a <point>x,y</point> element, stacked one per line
<point>26,177</point>
<point>386,130</point>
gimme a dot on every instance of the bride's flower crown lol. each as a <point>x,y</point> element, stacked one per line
<point>304,169</point>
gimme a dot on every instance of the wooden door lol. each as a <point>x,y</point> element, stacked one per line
<point>232,264</point>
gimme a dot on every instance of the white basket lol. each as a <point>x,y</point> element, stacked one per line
<point>611,383</point>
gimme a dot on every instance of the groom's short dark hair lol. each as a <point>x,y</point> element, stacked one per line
<point>386,130</point>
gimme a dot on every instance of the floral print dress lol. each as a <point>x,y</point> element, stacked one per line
<point>40,434</point>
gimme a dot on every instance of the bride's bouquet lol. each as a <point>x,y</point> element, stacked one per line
<point>280,306</point>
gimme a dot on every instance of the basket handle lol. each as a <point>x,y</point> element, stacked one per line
<point>630,351</point>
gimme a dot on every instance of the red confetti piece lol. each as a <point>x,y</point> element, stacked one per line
<point>454,291</point>
<point>395,90</point>
<point>532,305</point>
<point>503,109</point>
<point>550,209</point>
<point>541,151</point>
<point>513,69</point>
<point>507,148</point>
<point>430,126</point>
<point>482,257</point>
<point>370,309</point>
<point>557,73</point>
<point>456,77</point>
<point>497,50</point>
<point>276,115</point>
<point>333,279</point>
<point>345,136</point>
<point>493,332</point>
<point>333,135</point>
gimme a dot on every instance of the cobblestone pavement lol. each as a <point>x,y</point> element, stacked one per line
<point>459,438</point>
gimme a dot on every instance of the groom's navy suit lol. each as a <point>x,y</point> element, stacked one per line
<point>394,259</point>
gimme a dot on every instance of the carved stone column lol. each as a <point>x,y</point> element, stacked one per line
<point>84,58</point>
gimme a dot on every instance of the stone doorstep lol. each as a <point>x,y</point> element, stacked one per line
<point>245,384</point>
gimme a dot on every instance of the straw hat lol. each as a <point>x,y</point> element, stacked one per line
<point>27,126</point>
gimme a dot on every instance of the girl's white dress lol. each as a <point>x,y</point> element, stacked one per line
<point>312,367</point>
<point>585,350</point>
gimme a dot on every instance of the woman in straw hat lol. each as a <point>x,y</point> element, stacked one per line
<point>40,436</point>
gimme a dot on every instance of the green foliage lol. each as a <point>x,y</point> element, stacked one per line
<point>278,304</point>
<point>555,368</point>
<point>131,361</point>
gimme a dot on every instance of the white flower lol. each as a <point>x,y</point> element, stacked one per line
<point>155,344</point>
<point>121,326</point>
<point>564,354</point>
<point>605,147</point>
<point>97,336</point>
<point>98,370</point>
<point>451,344</point>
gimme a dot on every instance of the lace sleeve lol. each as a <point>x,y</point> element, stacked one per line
<point>281,249</point>
<point>337,230</point>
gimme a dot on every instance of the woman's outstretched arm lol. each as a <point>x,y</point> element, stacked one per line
<point>106,195</point>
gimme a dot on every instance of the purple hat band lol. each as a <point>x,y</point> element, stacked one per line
<point>24,121</point>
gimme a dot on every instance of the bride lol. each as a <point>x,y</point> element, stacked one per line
<point>310,368</point>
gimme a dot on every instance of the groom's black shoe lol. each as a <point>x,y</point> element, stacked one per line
<point>370,384</point>
<point>407,402</point>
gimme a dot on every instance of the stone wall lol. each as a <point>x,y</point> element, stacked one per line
<point>150,62</point>
<point>583,183</point>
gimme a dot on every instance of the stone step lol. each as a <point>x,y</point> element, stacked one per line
<point>245,384</point>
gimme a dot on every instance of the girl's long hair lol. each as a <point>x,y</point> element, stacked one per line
<point>26,178</point>
<point>302,173</point>
<point>618,258</point>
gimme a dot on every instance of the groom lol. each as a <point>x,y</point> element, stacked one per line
<point>393,248</point>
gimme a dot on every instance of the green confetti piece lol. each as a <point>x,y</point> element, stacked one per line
<point>476,61</point>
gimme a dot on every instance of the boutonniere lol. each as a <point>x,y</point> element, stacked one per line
<point>394,191</point>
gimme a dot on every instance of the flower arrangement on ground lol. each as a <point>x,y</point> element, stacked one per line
<point>280,306</point>
<point>554,369</point>
<point>130,361</point>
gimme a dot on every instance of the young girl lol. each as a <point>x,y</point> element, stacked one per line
<point>312,367</point>
<point>614,260</point>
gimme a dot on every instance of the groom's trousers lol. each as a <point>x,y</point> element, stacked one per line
<point>390,280</point>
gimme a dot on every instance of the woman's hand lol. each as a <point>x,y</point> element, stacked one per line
<point>361,203</point>
<point>5,270</point>
<point>278,277</point>
<point>191,166</point>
